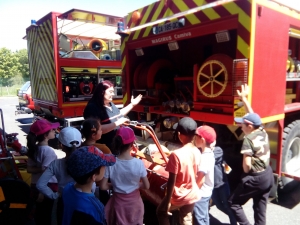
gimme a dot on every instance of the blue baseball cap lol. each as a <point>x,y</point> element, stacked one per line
<point>86,159</point>
<point>249,118</point>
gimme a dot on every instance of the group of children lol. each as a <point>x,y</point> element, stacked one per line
<point>196,175</point>
<point>63,189</point>
<point>191,176</point>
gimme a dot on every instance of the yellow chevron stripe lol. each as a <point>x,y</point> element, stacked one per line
<point>168,13</point>
<point>145,17</point>
<point>211,13</point>
<point>123,43</point>
<point>244,19</point>
<point>147,31</point>
<point>252,46</point>
<point>200,2</point>
<point>183,7</point>
<point>124,62</point>
<point>136,34</point>
<point>158,10</point>
<point>193,19</point>
<point>125,98</point>
<point>43,69</point>
<point>147,13</point>
<point>243,47</point>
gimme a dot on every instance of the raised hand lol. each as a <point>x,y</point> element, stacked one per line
<point>136,100</point>
<point>244,91</point>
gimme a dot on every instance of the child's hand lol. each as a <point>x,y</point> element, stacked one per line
<point>244,91</point>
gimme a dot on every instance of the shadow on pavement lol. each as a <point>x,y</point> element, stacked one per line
<point>288,199</point>
<point>25,120</point>
<point>215,221</point>
<point>25,128</point>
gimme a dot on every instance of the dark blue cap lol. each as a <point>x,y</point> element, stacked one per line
<point>249,118</point>
<point>86,159</point>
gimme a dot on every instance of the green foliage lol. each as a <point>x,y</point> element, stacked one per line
<point>14,68</point>
<point>23,63</point>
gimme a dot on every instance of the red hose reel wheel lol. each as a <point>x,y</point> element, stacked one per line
<point>213,75</point>
<point>154,68</point>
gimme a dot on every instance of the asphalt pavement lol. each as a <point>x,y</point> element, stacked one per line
<point>284,212</point>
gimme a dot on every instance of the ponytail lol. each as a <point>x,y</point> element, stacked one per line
<point>32,144</point>
<point>90,127</point>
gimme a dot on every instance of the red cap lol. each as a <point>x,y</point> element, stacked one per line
<point>42,126</point>
<point>127,135</point>
<point>208,133</point>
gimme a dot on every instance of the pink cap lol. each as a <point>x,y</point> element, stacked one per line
<point>208,133</point>
<point>127,135</point>
<point>42,126</point>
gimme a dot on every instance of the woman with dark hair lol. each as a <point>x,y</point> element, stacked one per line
<point>100,106</point>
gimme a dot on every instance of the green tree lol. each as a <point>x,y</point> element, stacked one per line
<point>23,63</point>
<point>9,66</point>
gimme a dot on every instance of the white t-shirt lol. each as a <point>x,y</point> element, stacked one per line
<point>45,156</point>
<point>125,175</point>
<point>207,167</point>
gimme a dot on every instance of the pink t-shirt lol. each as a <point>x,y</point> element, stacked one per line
<point>184,162</point>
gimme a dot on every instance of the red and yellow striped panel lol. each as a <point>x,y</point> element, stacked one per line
<point>163,9</point>
<point>41,58</point>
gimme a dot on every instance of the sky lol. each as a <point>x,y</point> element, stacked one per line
<point>16,15</point>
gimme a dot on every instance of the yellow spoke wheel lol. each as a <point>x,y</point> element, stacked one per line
<point>212,78</point>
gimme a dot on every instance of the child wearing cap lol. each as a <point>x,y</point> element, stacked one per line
<point>127,176</point>
<point>182,189</point>
<point>91,130</point>
<point>86,165</point>
<point>205,140</point>
<point>257,179</point>
<point>40,155</point>
<point>70,139</point>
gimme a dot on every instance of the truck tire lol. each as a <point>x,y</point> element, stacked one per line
<point>291,154</point>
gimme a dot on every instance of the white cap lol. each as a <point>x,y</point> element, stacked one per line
<point>68,135</point>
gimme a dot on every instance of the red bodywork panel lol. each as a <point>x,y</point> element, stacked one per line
<point>269,80</point>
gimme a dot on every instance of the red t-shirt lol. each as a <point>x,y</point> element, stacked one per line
<point>184,162</point>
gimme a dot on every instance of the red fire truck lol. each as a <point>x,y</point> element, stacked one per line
<point>69,54</point>
<point>189,58</point>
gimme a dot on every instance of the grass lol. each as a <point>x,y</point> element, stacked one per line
<point>9,91</point>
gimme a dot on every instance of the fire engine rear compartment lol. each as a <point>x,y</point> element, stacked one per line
<point>69,54</point>
<point>170,71</point>
<point>273,96</point>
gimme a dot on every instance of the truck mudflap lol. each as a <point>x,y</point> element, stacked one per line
<point>155,162</point>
